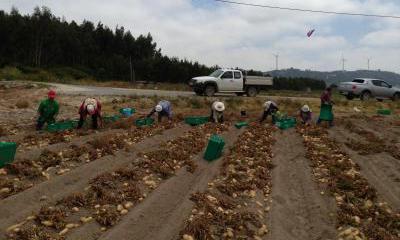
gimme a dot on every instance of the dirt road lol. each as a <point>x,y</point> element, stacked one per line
<point>74,90</point>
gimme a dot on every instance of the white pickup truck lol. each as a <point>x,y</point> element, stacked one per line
<point>229,81</point>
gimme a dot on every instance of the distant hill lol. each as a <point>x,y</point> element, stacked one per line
<point>338,76</point>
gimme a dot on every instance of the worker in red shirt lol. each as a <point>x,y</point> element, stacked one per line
<point>326,99</point>
<point>92,107</point>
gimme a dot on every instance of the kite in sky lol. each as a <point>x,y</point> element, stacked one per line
<point>310,33</point>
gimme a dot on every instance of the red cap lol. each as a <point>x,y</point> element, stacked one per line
<point>52,94</point>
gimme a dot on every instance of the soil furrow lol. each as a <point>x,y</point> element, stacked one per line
<point>35,152</point>
<point>381,170</point>
<point>15,208</point>
<point>155,219</point>
<point>298,211</point>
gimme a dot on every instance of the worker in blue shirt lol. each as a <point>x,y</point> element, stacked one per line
<point>163,109</point>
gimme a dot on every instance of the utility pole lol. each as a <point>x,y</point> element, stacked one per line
<point>343,63</point>
<point>276,61</point>
<point>369,60</point>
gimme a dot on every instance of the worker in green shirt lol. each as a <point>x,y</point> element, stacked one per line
<point>48,110</point>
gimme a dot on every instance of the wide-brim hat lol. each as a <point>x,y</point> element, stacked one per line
<point>158,108</point>
<point>90,109</point>
<point>219,106</point>
<point>306,108</point>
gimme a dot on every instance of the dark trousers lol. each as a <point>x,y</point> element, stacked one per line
<point>41,121</point>
<point>220,118</point>
<point>267,113</point>
<point>83,118</point>
<point>330,122</point>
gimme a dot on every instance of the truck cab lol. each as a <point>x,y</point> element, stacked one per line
<point>228,81</point>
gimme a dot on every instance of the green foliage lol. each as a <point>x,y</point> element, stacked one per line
<point>298,84</point>
<point>10,73</point>
<point>44,41</point>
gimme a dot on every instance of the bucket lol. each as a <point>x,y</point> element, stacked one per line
<point>127,112</point>
<point>7,153</point>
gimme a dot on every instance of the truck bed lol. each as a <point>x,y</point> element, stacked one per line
<point>261,81</point>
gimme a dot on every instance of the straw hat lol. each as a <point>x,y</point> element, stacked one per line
<point>306,108</point>
<point>91,109</point>
<point>219,106</point>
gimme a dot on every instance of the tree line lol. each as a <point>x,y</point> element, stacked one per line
<point>42,40</point>
<point>298,84</point>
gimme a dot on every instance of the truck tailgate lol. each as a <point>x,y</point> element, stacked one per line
<point>255,80</point>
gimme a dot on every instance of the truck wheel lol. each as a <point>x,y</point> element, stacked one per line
<point>210,91</point>
<point>365,96</point>
<point>396,97</point>
<point>251,91</point>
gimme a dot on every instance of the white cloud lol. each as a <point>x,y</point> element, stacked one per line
<point>231,36</point>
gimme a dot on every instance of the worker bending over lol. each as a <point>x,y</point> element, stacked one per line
<point>92,107</point>
<point>306,115</point>
<point>270,108</point>
<point>48,110</point>
<point>217,112</point>
<point>163,109</point>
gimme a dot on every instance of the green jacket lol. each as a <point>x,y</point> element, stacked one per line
<point>48,108</point>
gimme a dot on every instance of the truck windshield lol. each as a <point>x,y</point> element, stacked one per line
<point>216,73</point>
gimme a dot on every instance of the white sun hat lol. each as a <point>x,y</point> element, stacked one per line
<point>219,106</point>
<point>158,108</point>
<point>267,104</point>
<point>306,108</point>
<point>90,108</point>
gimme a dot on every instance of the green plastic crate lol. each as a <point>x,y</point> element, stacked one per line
<point>127,112</point>
<point>144,122</point>
<point>384,111</point>
<point>60,126</point>
<point>110,119</point>
<point>194,121</point>
<point>286,123</point>
<point>239,125</point>
<point>214,148</point>
<point>326,112</point>
<point>75,123</point>
<point>7,153</point>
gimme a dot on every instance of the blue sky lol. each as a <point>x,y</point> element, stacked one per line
<point>240,36</point>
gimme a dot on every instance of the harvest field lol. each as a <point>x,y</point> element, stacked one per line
<point>128,182</point>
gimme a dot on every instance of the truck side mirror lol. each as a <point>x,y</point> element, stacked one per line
<point>390,86</point>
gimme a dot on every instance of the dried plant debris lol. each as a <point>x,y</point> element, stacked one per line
<point>360,214</point>
<point>51,217</point>
<point>25,168</point>
<point>107,216</point>
<point>74,200</point>
<point>235,204</point>
<point>34,232</point>
<point>371,144</point>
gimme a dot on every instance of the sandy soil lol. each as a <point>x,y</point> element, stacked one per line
<point>162,220</point>
<point>14,208</point>
<point>298,211</point>
<point>381,170</point>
